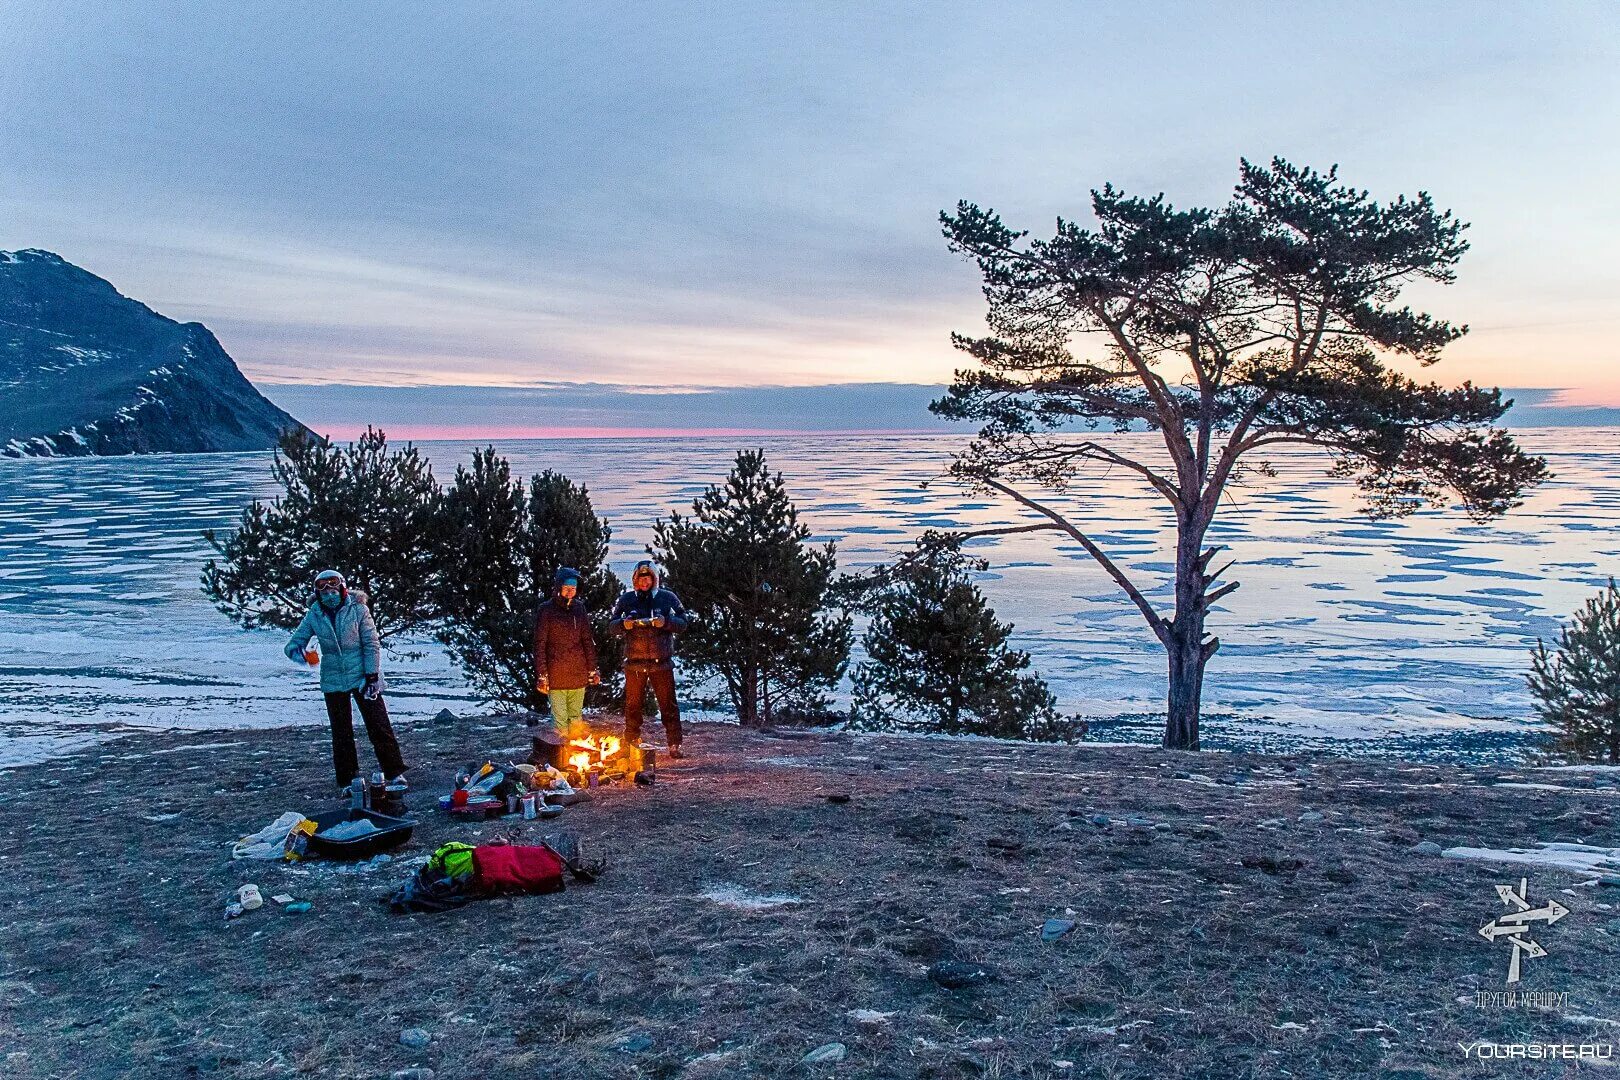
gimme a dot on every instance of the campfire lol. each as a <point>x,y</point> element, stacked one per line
<point>592,759</point>
<point>552,777</point>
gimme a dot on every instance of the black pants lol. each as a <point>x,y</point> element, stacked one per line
<point>661,677</point>
<point>378,730</point>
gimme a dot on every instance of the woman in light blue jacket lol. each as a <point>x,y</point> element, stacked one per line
<point>351,668</point>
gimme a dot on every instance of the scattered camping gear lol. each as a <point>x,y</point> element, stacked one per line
<point>492,792</point>
<point>357,834</point>
<point>457,873</point>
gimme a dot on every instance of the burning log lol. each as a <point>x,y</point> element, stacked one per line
<point>592,759</point>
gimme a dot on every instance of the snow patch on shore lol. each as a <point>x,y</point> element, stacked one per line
<point>1580,858</point>
<point>735,896</point>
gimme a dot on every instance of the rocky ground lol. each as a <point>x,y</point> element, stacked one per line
<point>808,904</point>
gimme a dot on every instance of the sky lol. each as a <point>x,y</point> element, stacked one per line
<point>721,196</point>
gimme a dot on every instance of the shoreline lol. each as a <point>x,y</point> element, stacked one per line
<point>1513,744</point>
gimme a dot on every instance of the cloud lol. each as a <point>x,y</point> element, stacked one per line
<point>1540,407</point>
<point>736,193</point>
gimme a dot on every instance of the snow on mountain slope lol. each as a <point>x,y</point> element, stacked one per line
<point>85,370</point>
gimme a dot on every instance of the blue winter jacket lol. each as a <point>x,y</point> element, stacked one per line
<point>649,644</point>
<point>349,647</point>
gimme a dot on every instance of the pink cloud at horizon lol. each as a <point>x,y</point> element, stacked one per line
<point>480,432</point>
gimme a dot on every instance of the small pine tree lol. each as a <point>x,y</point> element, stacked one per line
<point>499,546</point>
<point>485,592</point>
<point>759,593</point>
<point>1577,688</point>
<point>361,509</point>
<point>938,660</point>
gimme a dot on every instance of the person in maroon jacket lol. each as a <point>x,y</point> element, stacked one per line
<point>565,653</point>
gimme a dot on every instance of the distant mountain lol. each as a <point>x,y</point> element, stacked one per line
<point>86,370</point>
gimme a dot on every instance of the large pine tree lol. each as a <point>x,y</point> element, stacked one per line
<point>759,593</point>
<point>1272,321</point>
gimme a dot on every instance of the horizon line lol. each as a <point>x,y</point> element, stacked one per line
<point>440,433</point>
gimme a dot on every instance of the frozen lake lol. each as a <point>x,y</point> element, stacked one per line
<point>1409,636</point>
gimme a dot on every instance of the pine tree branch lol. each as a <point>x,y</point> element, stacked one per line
<point>1169,416</point>
<point>1005,530</point>
<point>1099,452</point>
<point>1154,620</point>
<point>1303,353</point>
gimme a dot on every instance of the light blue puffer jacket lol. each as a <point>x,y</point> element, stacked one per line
<point>349,645</point>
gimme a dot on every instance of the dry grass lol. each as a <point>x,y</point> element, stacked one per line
<point>1204,949</point>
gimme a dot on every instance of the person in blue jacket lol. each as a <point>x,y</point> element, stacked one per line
<point>351,670</point>
<point>648,618</point>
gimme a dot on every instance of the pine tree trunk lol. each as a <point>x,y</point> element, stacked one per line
<point>748,700</point>
<point>1185,648</point>
<point>1186,690</point>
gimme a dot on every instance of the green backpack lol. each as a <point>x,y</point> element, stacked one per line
<point>454,859</point>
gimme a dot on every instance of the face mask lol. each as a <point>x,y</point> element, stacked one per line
<point>331,601</point>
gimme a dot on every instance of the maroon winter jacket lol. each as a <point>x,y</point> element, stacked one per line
<point>564,650</point>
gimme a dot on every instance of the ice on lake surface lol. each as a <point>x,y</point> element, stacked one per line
<point>1403,636</point>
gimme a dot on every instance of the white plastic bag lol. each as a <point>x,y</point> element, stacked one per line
<point>269,842</point>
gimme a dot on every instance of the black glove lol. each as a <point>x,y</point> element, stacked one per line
<point>371,691</point>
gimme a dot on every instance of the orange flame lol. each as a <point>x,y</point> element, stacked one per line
<point>582,762</point>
